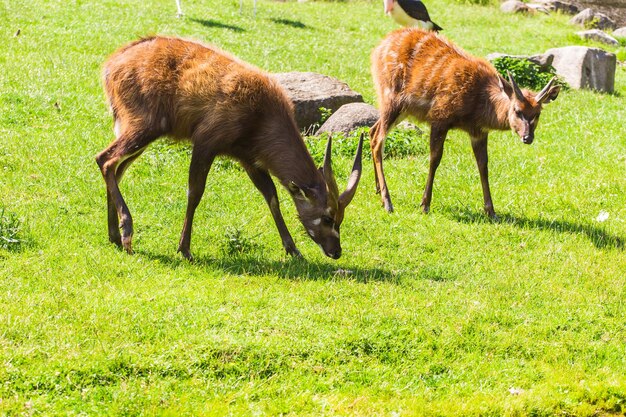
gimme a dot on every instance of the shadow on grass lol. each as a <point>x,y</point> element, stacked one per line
<point>255,264</point>
<point>215,24</point>
<point>596,234</point>
<point>287,22</point>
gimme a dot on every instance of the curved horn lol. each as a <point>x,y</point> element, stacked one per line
<point>346,197</point>
<point>329,146</point>
<point>516,89</point>
<point>327,170</point>
<point>541,96</point>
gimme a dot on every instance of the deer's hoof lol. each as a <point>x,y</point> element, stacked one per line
<point>295,253</point>
<point>116,238</point>
<point>127,244</point>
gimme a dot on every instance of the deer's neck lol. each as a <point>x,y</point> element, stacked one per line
<point>496,107</point>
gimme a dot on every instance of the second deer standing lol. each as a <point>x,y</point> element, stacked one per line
<point>421,74</point>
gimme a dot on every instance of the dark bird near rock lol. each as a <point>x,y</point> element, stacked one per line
<point>410,13</point>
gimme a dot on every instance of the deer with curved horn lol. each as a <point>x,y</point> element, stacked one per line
<point>161,86</point>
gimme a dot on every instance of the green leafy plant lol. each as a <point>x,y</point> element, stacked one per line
<point>526,73</point>
<point>593,23</point>
<point>324,114</point>
<point>621,54</point>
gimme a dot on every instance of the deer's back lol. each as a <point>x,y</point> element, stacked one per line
<point>180,85</point>
<point>428,76</point>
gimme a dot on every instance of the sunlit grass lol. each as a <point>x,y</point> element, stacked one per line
<point>442,314</point>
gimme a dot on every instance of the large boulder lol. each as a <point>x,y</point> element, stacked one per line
<point>590,19</point>
<point>598,36</point>
<point>584,67</point>
<point>350,117</point>
<point>309,91</point>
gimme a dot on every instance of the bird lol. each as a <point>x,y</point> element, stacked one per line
<point>410,13</point>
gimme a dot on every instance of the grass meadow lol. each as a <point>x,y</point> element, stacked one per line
<point>445,314</point>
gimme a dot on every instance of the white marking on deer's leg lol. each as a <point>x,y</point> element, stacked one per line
<point>117,128</point>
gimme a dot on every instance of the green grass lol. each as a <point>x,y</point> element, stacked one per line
<point>443,315</point>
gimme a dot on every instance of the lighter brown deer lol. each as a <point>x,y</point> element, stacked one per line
<point>162,86</point>
<point>422,74</point>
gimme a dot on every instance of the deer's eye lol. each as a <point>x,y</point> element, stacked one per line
<point>327,221</point>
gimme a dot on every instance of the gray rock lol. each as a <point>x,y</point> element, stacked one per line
<point>584,67</point>
<point>620,33</point>
<point>598,36</point>
<point>544,61</point>
<point>514,6</point>
<point>560,6</point>
<point>309,91</point>
<point>591,19</point>
<point>349,117</point>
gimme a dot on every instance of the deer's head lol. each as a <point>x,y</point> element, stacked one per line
<point>525,107</point>
<point>321,208</point>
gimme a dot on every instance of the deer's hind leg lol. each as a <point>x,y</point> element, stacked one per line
<point>378,133</point>
<point>202,157</point>
<point>113,161</point>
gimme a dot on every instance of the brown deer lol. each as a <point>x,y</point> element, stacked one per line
<point>187,90</point>
<point>423,75</point>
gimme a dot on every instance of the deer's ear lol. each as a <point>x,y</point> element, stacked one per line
<point>295,190</point>
<point>301,192</point>
<point>505,87</point>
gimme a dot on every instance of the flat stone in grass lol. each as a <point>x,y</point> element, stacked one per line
<point>350,117</point>
<point>620,33</point>
<point>598,36</point>
<point>514,6</point>
<point>309,91</point>
<point>560,6</point>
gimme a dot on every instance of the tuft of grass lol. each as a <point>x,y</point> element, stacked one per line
<point>236,243</point>
<point>11,231</point>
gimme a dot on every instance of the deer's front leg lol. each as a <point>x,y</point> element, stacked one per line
<point>437,138</point>
<point>263,182</point>
<point>479,146</point>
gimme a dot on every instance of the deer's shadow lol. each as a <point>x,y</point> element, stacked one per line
<point>598,235</point>
<point>289,268</point>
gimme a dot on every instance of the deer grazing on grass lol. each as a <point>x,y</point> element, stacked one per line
<point>168,86</point>
<point>423,75</point>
